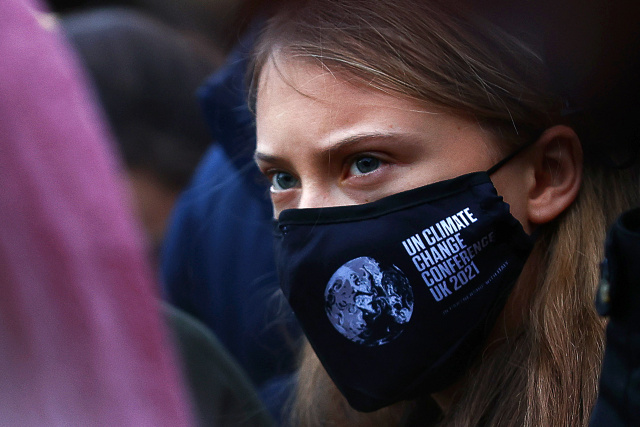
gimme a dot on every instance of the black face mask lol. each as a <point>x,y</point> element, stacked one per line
<point>398,296</point>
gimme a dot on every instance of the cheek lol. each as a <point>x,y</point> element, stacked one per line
<point>511,184</point>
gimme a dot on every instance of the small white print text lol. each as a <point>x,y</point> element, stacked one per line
<point>443,259</point>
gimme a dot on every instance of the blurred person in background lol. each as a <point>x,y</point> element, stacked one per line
<point>218,262</point>
<point>81,337</point>
<point>146,74</point>
<point>218,259</point>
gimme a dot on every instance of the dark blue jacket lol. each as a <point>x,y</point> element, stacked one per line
<point>217,261</point>
<point>618,401</point>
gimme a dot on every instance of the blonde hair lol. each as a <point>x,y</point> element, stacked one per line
<point>437,53</point>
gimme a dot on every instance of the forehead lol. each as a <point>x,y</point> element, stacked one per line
<point>301,99</point>
<point>304,76</point>
<point>316,82</point>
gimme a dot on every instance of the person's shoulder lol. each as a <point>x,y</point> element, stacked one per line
<point>221,391</point>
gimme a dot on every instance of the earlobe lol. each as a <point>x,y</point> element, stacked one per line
<point>558,174</point>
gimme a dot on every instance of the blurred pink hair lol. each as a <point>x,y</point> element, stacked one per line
<point>81,338</point>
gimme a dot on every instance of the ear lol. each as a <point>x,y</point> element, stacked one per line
<point>557,168</point>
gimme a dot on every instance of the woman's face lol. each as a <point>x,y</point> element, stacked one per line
<point>324,142</point>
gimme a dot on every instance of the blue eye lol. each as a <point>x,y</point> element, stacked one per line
<point>364,165</point>
<point>283,181</point>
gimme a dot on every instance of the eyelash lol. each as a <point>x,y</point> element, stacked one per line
<point>271,176</point>
<point>350,163</point>
<point>353,163</point>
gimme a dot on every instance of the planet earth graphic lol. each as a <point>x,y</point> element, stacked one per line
<point>368,304</point>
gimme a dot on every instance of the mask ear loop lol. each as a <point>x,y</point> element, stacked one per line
<point>518,150</point>
<point>502,162</point>
<point>536,232</point>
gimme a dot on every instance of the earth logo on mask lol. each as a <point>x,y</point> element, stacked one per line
<point>367,304</point>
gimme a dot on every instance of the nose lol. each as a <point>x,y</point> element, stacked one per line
<point>314,196</point>
<point>318,196</point>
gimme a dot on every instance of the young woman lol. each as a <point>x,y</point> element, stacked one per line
<point>391,133</point>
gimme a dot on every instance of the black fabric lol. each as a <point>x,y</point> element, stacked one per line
<point>385,206</point>
<point>221,392</point>
<point>387,322</point>
<point>618,297</point>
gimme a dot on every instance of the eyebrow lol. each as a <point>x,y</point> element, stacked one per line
<point>342,144</point>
